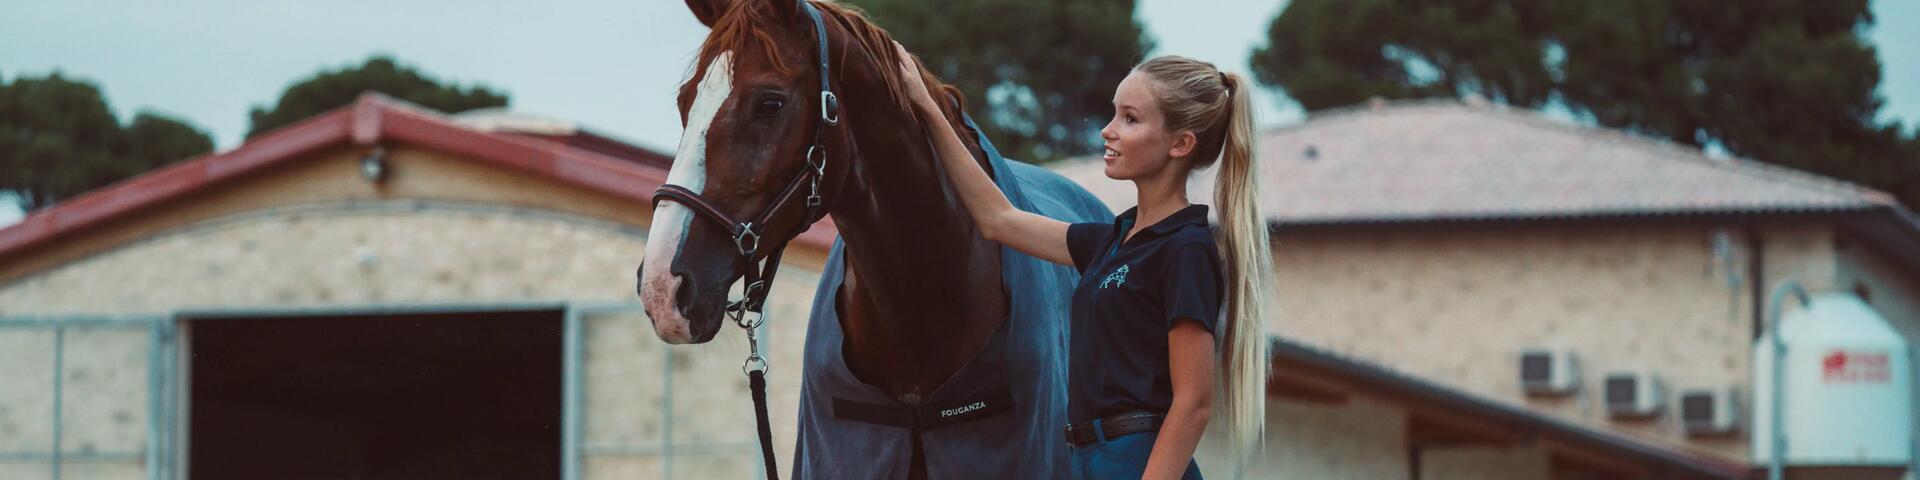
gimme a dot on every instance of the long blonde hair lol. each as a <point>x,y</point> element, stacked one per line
<point>1215,105</point>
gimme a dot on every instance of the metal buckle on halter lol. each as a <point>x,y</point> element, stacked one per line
<point>746,231</point>
<point>744,317</point>
<point>820,167</point>
<point>755,362</point>
<point>750,320</point>
<point>738,308</point>
<point>829,107</point>
<point>819,170</point>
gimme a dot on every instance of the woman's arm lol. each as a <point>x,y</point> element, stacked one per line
<point>1030,233</point>
<point>1190,364</point>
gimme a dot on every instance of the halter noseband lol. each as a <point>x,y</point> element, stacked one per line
<point>747,235</point>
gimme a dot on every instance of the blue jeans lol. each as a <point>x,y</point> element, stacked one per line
<point>1122,457</point>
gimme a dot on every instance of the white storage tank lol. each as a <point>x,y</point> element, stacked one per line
<point>1848,393</point>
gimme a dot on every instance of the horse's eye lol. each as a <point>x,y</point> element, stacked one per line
<point>769,106</point>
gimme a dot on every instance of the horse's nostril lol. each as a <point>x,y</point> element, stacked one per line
<point>681,310</point>
<point>683,294</point>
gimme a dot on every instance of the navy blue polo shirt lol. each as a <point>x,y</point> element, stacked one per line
<point>1129,295</point>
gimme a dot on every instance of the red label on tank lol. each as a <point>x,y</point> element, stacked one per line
<point>1841,366</point>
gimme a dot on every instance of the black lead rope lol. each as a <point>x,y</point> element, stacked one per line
<point>756,365</point>
<point>758,381</point>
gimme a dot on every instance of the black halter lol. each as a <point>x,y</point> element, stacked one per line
<point>748,235</point>
<point>757,265</point>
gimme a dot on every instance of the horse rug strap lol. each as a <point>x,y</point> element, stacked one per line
<point>929,416</point>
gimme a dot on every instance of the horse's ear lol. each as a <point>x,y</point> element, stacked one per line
<point>708,11</point>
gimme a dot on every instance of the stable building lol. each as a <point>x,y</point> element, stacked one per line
<point>1468,291</point>
<point>376,292</point>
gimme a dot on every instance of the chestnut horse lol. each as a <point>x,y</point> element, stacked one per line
<point>790,99</point>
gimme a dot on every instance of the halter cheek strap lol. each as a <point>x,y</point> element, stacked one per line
<point>829,103</point>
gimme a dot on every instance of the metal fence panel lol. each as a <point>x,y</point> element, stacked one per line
<point>84,397</point>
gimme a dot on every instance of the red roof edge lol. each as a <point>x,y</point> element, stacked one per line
<point>172,181</point>
<point>370,120</point>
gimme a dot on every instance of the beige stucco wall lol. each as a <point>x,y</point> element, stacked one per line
<point>1457,307</point>
<point>1485,463</point>
<point>344,254</point>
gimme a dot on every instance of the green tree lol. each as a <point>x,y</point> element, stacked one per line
<point>58,138</point>
<point>1791,82</point>
<point>1328,53</point>
<point>334,89</point>
<point>1045,70</point>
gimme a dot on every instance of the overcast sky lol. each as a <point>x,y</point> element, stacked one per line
<point>610,65</point>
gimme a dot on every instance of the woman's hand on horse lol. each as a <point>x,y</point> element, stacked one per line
<point>916,87</point>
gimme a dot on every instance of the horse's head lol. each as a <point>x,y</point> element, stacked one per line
<point>751,110</point>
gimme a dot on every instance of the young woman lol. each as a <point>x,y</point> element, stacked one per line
<point>1153,283</point>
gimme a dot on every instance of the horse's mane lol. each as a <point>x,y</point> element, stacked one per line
<point>749,21</point>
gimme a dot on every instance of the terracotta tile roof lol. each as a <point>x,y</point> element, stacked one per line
<point>372,119</point>
<point>1429,160</point>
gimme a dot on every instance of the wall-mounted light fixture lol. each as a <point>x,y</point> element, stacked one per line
<point>373,166</point>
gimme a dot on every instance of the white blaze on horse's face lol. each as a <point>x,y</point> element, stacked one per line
<point>671,220</point>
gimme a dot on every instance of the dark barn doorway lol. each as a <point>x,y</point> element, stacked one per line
<point>456,395</point>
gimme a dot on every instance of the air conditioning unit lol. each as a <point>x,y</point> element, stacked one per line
<point>1549,372</point>
<point>1634,395</point>
<point>1709,412</point>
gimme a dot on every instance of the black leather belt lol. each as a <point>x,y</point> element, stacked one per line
<point>1135,421</point>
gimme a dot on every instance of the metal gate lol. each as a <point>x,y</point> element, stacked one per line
<point>106,413</point>
<point>637,407</point>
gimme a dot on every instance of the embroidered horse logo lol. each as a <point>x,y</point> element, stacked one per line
<point>1115,279</point>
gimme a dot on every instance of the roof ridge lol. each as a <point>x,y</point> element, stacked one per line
<point>1357,110</point>
<point>1730,163</point>
<point>1768,172</point>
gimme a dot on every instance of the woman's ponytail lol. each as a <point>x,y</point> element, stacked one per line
<point>1248,256</point>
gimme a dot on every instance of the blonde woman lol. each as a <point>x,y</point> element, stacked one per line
<point>1161,298</point>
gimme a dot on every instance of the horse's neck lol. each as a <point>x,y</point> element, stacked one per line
<point>923,290</point>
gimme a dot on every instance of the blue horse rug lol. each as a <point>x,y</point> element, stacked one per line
<point>999,416</point>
